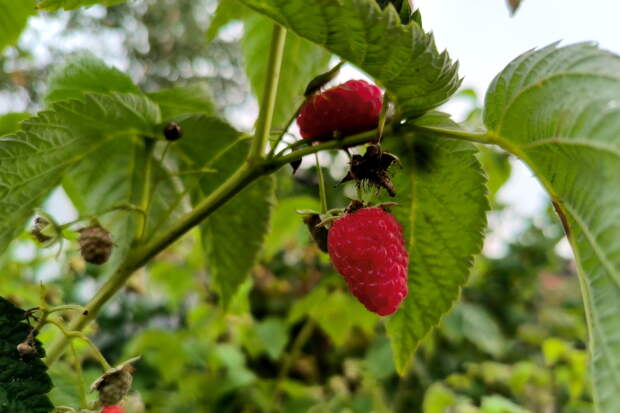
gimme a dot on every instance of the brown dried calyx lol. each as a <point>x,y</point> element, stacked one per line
<point>372,169</point>
<point>115,384</point>
<point>319,233</point>
<point>95,244</point>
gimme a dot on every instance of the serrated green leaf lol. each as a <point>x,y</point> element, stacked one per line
<point>13,19</point>
<point>212,143</point>
<point>24,382</point>
<point>82,73</point>
<point>401,57</point>
<point>442,207</point>
<point>9,123</point>
<point>33,161</point>
<point>301,62</point>
<point>182,101</point>
<point>230,256</point>
<point>54,5</point>
<point>559,110</point>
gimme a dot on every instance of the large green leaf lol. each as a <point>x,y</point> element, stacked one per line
<point>559,110</point>
<point>401,57</point>
<point>53,5</point>
<point>33,161</point>
<point>24,382</point>
<point>442,207</point>
<point>13,20</point>
<point>234,234</point>
<point>302,61</point>
<point>81,73</point>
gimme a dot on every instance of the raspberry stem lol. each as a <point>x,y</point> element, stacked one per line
<point>322,191</point>
<point>263,124</point>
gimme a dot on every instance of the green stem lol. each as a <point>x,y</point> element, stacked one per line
<point>145,197</point>
<point>322,191</point>
<point>228,189</point>
<point>263,125</point>
<point>302,337</point>
<point>69,335</point>
<point>144,253</point>
<point>77,364</point>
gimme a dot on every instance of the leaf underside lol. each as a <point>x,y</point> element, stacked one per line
<point>559,109</point>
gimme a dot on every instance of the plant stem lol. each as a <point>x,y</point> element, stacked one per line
<point>79,376</point>
<point>245,175</point>
<point>322,191</point>
<point>145,197</point>
<point>78,334</point>
<point>263,125</point>
<point>302,337</point>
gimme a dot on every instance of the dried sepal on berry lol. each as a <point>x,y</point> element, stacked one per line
<point>372,169</point>
<point>95,244</point>
<point>45,231</point>
<point>318,233</point>
<point>115,383</point>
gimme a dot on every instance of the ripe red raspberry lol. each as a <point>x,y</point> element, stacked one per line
<point>346,109</point>
<point>112,409</point>
<point>367,248</point>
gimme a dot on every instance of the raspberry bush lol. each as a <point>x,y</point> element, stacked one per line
<point>152,170</point>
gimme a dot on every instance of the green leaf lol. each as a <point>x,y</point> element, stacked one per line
<point>33,161</point>
<point>559,110</point>
<point>442,207</point>
<point>481,329</point>
<point>54,5</point>
<point>10,122</point>
<point>212,143</point>
<point>401,57</point>
<point>273,333</point>
<point>24,382</point>
<point>81,73</point>
<point>13,20</point>
<point>182,101</point>
<point>438,399</point>
<point>301,62</point>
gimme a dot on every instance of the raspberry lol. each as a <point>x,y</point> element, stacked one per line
<point>347,109</point>
<point>112,409</point>
<point>367,248</point>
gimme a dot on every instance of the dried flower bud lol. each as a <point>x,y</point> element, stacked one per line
<point>95,244</point>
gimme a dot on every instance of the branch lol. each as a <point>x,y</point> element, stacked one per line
<point>245,175</point>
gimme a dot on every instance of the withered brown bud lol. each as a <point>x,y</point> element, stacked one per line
<point>115,384</point>
<point>95,244</point>
<point>372,169</point>
<point>25,349</point>
<point>40,224</point>
<point>319,234</point>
